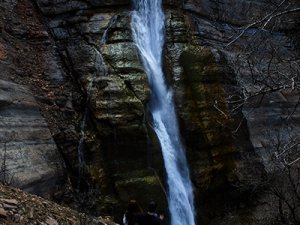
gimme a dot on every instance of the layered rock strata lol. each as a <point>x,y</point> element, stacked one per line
<point>29,157</point>
<point>263,94</point>
<point>95,41</point>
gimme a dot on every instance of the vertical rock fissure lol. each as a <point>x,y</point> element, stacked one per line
<point>148,33</point>
<point>99,64</point>
<point>83,124</point>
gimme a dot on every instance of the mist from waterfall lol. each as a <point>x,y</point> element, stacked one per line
<point>148,33</point>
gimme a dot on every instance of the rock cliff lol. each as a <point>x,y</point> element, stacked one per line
<point>29,155</point>
<point>73,84</point>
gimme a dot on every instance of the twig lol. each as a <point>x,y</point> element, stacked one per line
<point>267,18</point>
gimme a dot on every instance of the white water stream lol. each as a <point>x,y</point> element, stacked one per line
<point>148,32</point>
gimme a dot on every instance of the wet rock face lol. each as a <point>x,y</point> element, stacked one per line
<point>97,47</point>
<point>199,95</point>
<point>197,77</point>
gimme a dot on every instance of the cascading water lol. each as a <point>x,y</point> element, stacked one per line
<point>148,32</point>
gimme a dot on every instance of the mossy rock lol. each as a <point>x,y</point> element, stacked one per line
<point>143,186</point>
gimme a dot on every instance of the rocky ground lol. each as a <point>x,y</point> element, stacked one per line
<point>18,207</point>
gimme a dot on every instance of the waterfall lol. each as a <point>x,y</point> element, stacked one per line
<point>148,33</point>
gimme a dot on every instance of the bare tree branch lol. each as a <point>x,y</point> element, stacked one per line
<point>265,20</point>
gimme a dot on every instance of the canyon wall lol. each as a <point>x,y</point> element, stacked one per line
<point>235,87</point>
